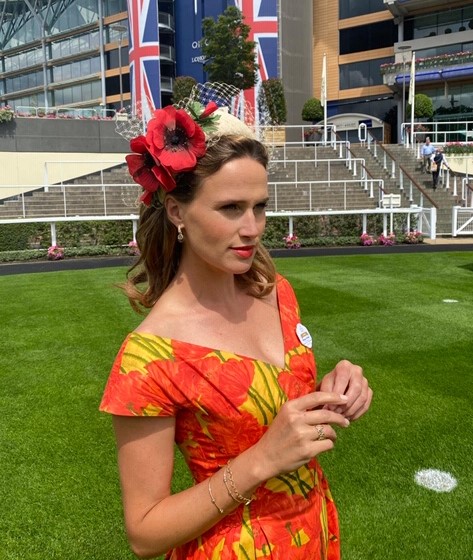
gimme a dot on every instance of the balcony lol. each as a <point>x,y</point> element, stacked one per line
<point>436,68</point>
<point>407,7</point>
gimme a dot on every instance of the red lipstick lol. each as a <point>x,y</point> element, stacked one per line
<point>245,252</point>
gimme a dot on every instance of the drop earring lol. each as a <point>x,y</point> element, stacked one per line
<point>180,236</point>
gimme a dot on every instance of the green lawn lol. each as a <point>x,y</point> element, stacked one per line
<point>60,332</point>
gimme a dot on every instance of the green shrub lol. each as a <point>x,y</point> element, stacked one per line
<point>17,237</point>
<point>312,110</point>
<point>182,88</point>
<point>423,107</point>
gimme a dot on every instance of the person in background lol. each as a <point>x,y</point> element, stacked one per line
<point>437,161</point>
<point>221,365</point>
<point>426,152</point>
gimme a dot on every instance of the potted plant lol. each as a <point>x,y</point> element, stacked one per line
<point>6,114</point>
<point>313,112</point>
<point>55,253</point>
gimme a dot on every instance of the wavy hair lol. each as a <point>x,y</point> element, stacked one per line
<point>160,252</point>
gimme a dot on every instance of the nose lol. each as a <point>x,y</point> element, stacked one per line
<point>251,224</point>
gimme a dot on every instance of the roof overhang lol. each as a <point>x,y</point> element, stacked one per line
<point>407,7</point>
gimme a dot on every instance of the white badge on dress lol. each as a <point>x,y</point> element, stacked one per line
<point>304,335</point>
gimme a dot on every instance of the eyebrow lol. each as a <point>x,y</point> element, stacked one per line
<point>235,201</point>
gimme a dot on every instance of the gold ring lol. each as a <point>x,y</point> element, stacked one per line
<point>321,433</point>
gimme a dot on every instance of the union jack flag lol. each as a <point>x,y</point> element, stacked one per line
<point>262,17</point>
<point>145,80</point>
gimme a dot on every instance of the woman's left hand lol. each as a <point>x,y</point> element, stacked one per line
<point>348,379</point>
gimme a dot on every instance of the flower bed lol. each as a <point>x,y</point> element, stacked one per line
<point>409,237</point>
<point>458,148</point>
<point>430,62</point>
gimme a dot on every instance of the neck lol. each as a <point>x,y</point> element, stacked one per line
<point>211,289</point>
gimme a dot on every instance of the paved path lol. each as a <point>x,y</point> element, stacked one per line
<point>101,262</point>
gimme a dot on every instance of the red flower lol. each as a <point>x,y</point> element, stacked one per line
<point>175,140</point>
<point>146,171</point>
<point>211,108</point>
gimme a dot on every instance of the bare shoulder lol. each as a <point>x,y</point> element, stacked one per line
<point>165,318</point>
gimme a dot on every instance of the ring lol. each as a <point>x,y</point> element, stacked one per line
<point>320,432</point>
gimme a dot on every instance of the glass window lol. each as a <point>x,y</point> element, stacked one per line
<point>95,65</point>
<point>352,8</point>
<point>368,37</point>
<point>66,96</point>
<point>452,103</point>
<point>446,49</point>
<point>362,74</point>
<point>439,23</point>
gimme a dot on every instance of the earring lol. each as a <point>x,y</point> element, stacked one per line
<point>180,236</point>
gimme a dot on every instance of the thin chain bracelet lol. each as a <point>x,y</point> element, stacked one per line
<point>225,481</point>
<point>232,491</point>
<point>212,499</point>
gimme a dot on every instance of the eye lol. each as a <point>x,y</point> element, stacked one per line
<point>261,207</point>
<point>230,207</point>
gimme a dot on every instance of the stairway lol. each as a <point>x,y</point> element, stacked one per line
<point>85,196</point>
<point>300,194</point>
<point>443,199</point>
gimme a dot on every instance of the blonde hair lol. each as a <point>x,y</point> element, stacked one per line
<point>160,252</point>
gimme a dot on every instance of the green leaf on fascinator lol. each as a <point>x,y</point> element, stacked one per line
<point>209,123</point>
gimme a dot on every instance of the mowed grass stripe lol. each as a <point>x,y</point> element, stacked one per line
<point>61,331</point>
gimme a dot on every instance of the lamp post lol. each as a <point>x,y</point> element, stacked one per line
<point>404,49</point>
<point>121,29</point>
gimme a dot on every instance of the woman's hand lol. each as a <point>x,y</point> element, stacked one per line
<point>301,430</point>
<point>348,379</point>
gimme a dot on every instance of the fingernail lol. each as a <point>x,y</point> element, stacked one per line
<point>347,422</point>
<point>344,397</point>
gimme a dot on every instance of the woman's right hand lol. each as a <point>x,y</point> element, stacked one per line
<point>294,437</point>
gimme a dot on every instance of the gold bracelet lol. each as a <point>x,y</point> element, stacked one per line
<point>212,499</point>
<point>225,481</point>
<point>232,491</point>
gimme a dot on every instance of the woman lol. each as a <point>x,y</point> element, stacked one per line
<point>438,159</point>
<point>221,364</point>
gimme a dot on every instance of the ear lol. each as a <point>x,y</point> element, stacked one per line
<point>174,210</point>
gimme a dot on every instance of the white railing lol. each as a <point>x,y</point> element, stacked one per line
<point>458,131</point>
<point>70,200</point>
<point>466,194</point>
<point>425,219</point>
<point>462,221</point>
<point>106,200</point>
<point>355,165</point>
<point>58,172</point>
<point>305,194</point>
<point>404,182</point>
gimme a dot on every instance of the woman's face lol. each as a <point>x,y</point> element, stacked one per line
<point>225,221</point>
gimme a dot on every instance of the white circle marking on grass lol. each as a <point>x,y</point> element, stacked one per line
<point>436,480</point>
<point>450,301</point>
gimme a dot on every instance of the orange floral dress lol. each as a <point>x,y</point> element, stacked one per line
<point>223,403</point>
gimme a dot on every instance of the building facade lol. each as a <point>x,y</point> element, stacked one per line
<point>79,53</point>
<point>369,45</point>
<point>75,53</point>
